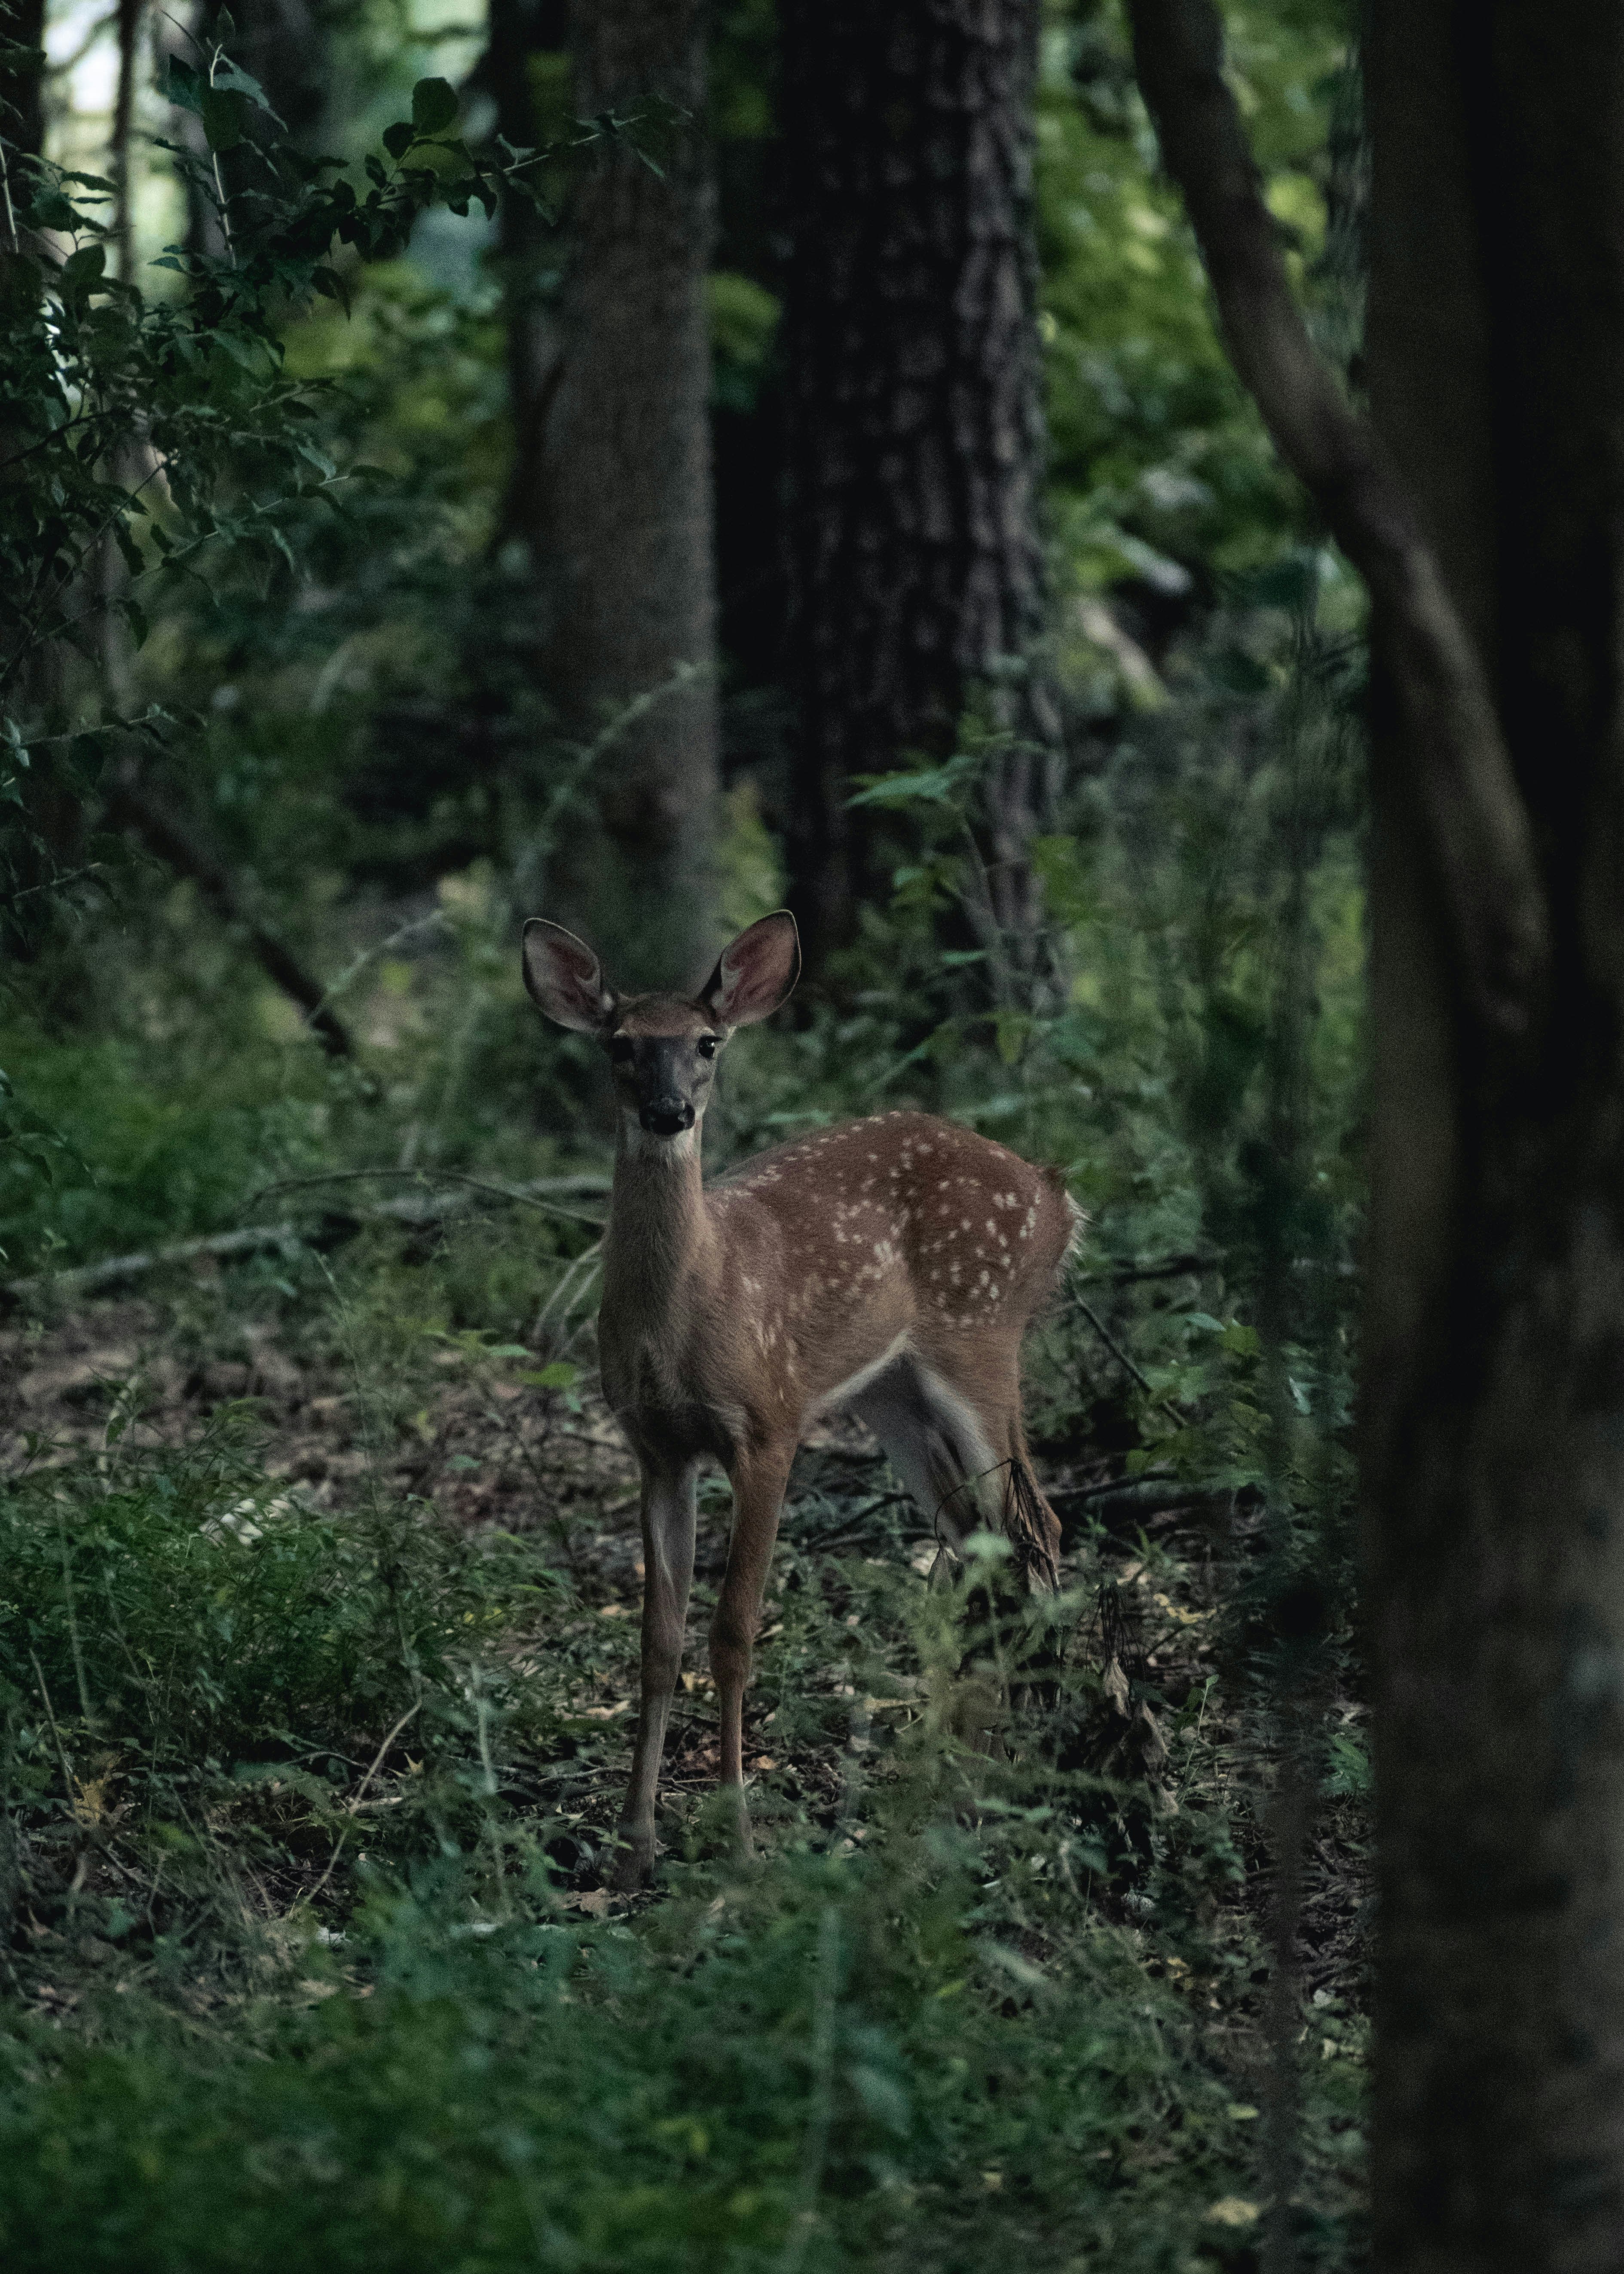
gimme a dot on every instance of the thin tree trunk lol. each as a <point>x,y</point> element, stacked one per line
<point>614,489</point>
<point>913,425</point>
<point>128,22</point>
<point>529,41</point>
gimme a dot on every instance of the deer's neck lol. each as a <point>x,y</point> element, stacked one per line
<point>660,1234</point>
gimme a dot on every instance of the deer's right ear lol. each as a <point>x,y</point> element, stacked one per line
<point>565,978</point>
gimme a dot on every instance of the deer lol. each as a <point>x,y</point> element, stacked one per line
<point>890,1266</point>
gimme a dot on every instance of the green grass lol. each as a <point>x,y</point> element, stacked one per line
<point>256,2023</point>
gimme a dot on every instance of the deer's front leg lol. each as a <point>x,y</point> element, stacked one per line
<point>668,1519</point>
<point>758,1479</point>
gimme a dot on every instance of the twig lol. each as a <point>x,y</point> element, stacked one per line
<point>820,2114</point>
<point>61,1750</point>
<point>370,955</point>
<point>173,841</point>
<point>1169,1266</point>
<point>434,1208</point>
<point>1481,837</point>
<point>528,1195</point>
<point>10,210</point>
<point>1112,1485</point>
<point>1113,1346</point>
<point>360,1794</point>
<point>85,1277</point>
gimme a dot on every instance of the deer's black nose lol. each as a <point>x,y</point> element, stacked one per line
<point>667,1117</point>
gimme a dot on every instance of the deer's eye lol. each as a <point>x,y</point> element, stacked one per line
<point>621,1049</point>
<point>706,1046</point>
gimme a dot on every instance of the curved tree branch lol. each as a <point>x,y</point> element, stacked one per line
<point>174,842</point>
<point>1481,840</point>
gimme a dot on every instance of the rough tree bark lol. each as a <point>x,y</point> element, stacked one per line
<point>913,424</point>
<point>1493,1367</point>
<point>614,489</point>
<point>1495,1333</point>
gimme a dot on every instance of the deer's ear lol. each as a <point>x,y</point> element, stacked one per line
<point>754,975</point>
<point>565,978</point>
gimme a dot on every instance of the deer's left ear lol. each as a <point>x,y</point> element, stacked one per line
<point>754,975</point>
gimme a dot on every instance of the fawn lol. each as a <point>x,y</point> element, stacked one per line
<point>890,1265</point>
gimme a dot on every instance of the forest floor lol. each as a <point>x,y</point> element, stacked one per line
<point>198,1893</point>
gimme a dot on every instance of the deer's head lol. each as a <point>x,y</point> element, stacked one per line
<point>662,1048</point>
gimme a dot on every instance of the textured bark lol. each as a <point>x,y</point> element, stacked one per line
<point>1493,1443</point>
<point>914,423</point>
<point>615,493</point>
<point>1495,1355</point>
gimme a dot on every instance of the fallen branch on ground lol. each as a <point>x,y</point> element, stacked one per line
<point>411,1208</point>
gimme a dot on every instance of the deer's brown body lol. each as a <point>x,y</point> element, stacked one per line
<point>891,1265</point>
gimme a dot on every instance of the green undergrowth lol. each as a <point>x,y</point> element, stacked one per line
<point>305,1965</point>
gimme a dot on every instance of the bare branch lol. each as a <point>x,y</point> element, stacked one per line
<point>1481,841</point>
<point>170,838</point>
<point>412,1209</point>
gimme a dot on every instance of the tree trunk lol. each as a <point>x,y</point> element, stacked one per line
<point>1494,1354</point>
<point>614,495</point>
<point>526,57</point>
<point>913,425</point>
<point>1486,512</point>
<point>127,19</point>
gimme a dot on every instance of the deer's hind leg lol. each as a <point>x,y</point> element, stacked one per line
<point>950,1424</point>
<point>941,1445</point>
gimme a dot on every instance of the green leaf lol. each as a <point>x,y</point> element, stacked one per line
<point>231,78</point>
<point>331,285</point>
<point>184,87</point>
<point>51,210</point>
<point>398,138</point>
<point>82,269</point>
<point>915,786</point>
<point>559,1376</point>
<point>433,106</point>
<point>221,112</point>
